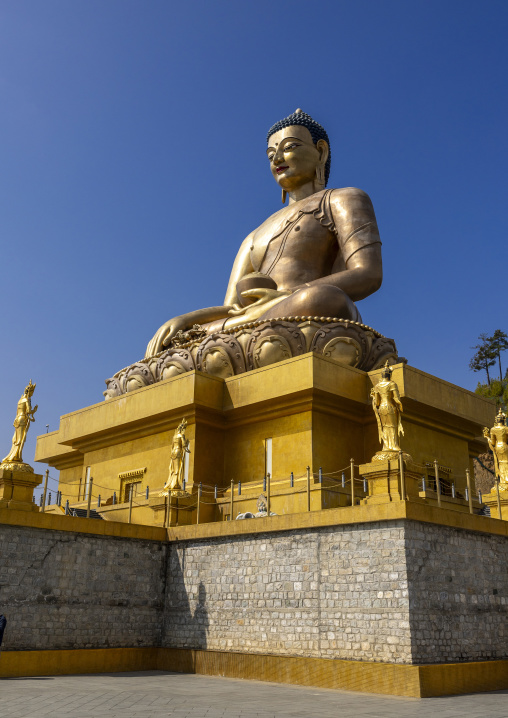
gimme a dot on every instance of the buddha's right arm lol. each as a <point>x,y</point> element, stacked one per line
<point>242,265</point>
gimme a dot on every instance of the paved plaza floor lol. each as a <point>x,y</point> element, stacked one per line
<point>157,694</point>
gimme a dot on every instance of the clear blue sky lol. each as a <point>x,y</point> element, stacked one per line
<point>133,164</point>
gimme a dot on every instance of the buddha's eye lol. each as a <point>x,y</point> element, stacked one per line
<point>291,146</point>
<point>270,157</point>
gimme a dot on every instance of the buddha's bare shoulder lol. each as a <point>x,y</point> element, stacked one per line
<point>352,208</point>
<point>349,197</point>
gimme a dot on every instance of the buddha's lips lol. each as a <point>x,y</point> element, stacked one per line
<point>281,169</point>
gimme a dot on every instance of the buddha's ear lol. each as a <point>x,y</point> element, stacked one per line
<point>323,149</point>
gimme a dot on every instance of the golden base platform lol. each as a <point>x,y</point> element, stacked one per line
<point>308,411</point>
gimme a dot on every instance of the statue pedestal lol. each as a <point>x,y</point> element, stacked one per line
<point>307,411</point>
<point>491,501</point>
<point>182,509</point>
<point>17,487</point>
<point>384,481</point>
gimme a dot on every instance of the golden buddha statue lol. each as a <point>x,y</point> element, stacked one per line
<point>24,417</point>
<point>315,256</point>
<point>497,438</point>
<point>387,408</point>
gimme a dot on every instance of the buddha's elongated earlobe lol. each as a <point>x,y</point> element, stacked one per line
<point>284,195</point>
<point>320,175</point>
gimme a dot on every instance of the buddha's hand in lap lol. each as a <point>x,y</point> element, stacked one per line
<point>265,296</point>
<point>165,334</point>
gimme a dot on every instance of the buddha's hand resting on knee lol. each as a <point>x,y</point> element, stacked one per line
<point>264,295</point>
<point>165,334</point>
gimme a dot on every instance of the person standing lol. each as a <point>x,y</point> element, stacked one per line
<point>3,623</point>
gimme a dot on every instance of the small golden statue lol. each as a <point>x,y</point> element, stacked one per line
<point>388,409</point>
<point>180,447</point>
<point>24,417</point>
<point>497,438</point>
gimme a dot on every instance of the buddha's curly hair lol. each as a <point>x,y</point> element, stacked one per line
<point>317,132</point>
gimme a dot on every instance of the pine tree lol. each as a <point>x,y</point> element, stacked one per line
<point>484,357</point>
<point>498,344</point>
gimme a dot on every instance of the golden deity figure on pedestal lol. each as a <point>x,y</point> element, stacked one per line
<point>388,409</point>
<point>497,438</point>
<point>24,417</point>
<point>179,447</point>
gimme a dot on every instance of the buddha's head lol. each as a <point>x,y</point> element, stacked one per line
<point>299,152</point>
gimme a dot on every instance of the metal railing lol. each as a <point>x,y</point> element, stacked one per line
<point>342,481</point>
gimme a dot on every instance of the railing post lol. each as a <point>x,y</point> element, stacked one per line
<point>292,480</point>
<point>352,482</point>
<point>402,477</point>
<point>45,490</point>
<point>232,500</point>
<point>199,502</point>
<point>469,494</point>
<point>67,507</point>
<point>90,486</point>
<point>308,488</point>
<point>130,502</point>
<point>438,485</point>
<point>498,499</point>
<point>99,501</point>
<point>268,494</point>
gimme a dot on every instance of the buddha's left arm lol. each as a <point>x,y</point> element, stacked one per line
<point>358,269</point>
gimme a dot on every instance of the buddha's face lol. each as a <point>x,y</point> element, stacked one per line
<point>294,157</point>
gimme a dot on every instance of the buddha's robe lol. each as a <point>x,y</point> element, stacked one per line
<point>313,239</point>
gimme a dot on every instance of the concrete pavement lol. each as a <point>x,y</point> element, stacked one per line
<point>157,694</point>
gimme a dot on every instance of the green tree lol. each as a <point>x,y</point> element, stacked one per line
<point>498,344</point>
<point>497,390</point>
<point>484,357</point>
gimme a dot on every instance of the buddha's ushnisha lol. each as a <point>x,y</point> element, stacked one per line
<point>314,257</point>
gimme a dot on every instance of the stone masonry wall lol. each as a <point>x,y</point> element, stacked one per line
<point>404,592</point>
<point>337,593</point>
<point>458,594</point>
<point>61,589</point>
<point>400,591</point>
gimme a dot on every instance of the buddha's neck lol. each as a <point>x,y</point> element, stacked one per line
<point>304,191</point>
